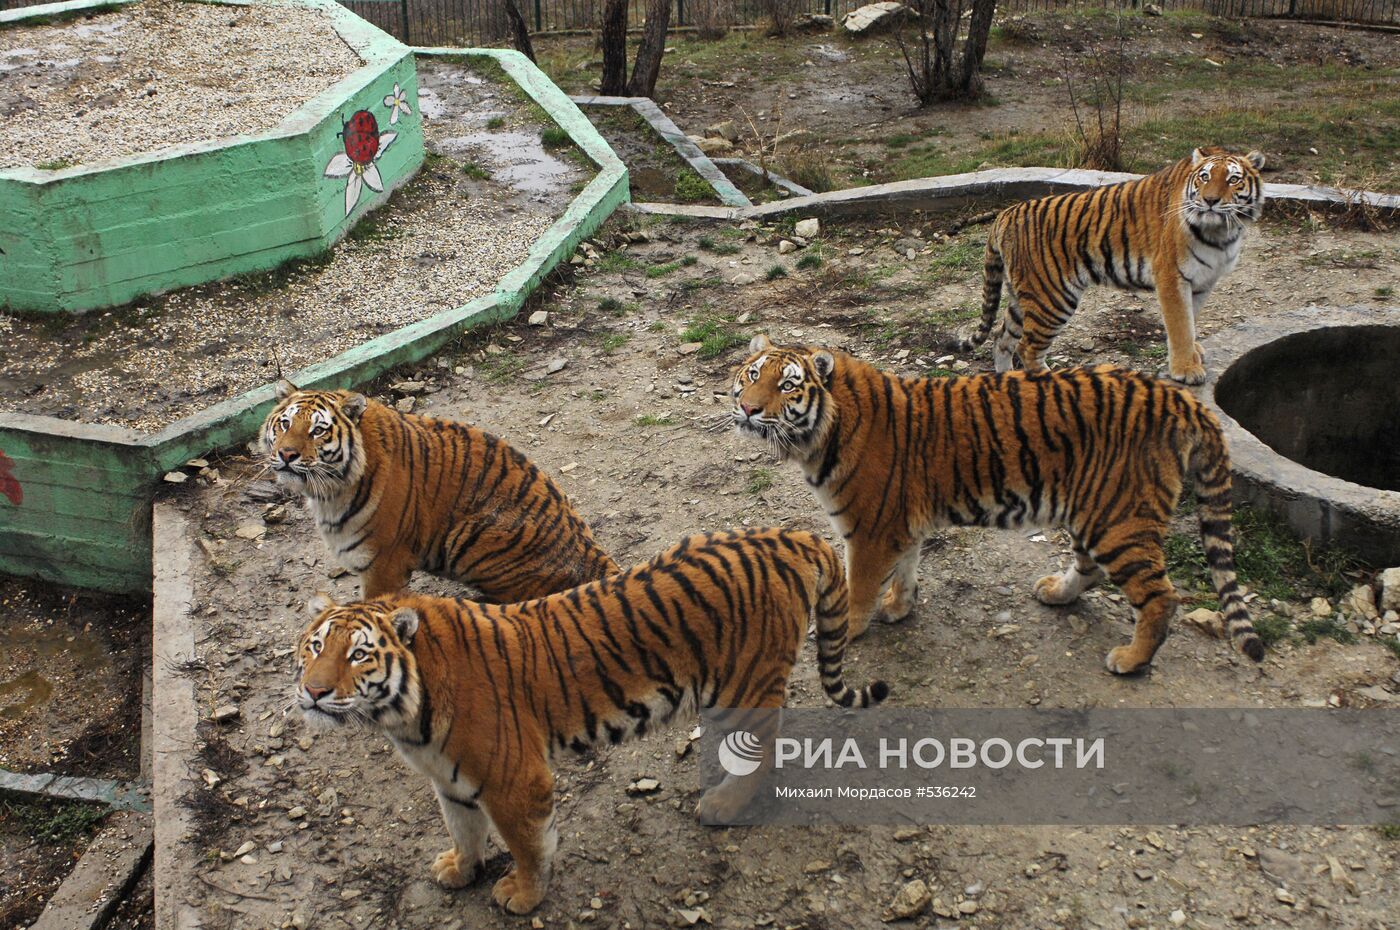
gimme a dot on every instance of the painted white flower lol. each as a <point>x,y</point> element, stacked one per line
<point>364,143</point>
<point>397,102</point>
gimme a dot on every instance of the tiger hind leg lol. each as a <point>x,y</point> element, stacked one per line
<point>1065,588</point>
<point>465,863</point>
<point>1138,568</point>
<point>523,814</point>
<point>1008,337</point>
<point>1043,320</point>
<point>903,593</point>
<point>723,803</point>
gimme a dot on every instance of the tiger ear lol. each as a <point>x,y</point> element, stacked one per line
<point>1256,159</point>
<point>353,406</point>
<point>1197,156</point>
<point>320,603</point>
<point>760,343</point>
<point>825,364</point>
<point>405,621</point>
<point>284,389</point>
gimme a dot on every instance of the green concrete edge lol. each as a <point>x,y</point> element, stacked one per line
<point>119,795</point>
<point>273,206</point>
<point>121,468</point>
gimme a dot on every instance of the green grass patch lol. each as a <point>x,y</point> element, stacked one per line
<point>775,272</point>
<point>709,244</point>
<point>652,419</point>
<point>657,326</point>
<point>57,164</point>
<point>1389,831</point>
<point>697,284</point>
<point>1385,290</point>
<point>618,261</point>
<point>474,171</point>
<point>956,260</point>
<point>503,368</point>
<point>809,260</point>
<point>495,122</point>
<point>937,372</point>
<point>52,821</point>
<point>1272,628</point>
<point>760,480</point>
<point>611,305</point>
<point>1325,628</point>
<point>661,271</point>
<point>691,188</point>
<point>715,337</point>
<point>554,137</point>
<point>614,341</point>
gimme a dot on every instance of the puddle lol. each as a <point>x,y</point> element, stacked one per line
<point>830,53</point>
<point>20,695</point>
<point>517,159</point>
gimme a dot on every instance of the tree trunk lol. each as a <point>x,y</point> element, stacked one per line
<point>647,67</point>
<point>613,38</point>
<point>979,27</point>
<point>520,31</point>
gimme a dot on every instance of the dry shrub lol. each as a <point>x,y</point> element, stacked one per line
<point>713,18</point>
<point>807,165</point>
<point>1361,212</point>
<point>1098,120</point>
<point>781,15</point>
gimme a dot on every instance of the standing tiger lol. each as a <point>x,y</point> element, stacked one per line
<point>393,492</point>
<point>1099,451</point>
<point>479,697</point>
<point>1179,230</point>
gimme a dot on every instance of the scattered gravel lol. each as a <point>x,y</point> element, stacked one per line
<point>157,74</point>
<point>445,238</point>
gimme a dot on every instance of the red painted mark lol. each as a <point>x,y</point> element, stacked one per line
<point>9,484</point>
<point>361,136</point>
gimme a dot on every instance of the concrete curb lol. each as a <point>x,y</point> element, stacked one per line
<point>1317,506</point>
<point>977,187</point>
<point>102,878</point>
<point>119,795</point>
<point>85,519</point>
<point>699,162</point>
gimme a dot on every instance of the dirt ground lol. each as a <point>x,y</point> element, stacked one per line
<point>331,830</point>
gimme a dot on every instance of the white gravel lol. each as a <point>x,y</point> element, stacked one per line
<point>158,74</point>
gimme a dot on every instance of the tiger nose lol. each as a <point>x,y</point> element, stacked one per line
<point>1211,201</point>
<point>748,411</point>
<point>316,693</point>
<point>289,456</point>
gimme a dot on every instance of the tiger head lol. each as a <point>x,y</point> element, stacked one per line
<point>1223,189</point>
<point>313,439</point>
<point>780,395</point>
<point>354,663</point>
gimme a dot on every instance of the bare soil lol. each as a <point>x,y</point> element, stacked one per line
<point>446,237</point>
<point>628,430</point>
<point>37,851</point>
<point>159,74</point>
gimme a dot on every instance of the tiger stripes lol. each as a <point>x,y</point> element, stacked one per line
<point>392,493</point>
<point>1178,231</point>
<point>1102,452</point>
<point>479,697</point>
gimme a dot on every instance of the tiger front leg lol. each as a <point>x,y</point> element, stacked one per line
<point>1057,590</point>
<point>523,813</point>
<point>465,863</point>
<point>1185,362</point>
<point>903,593</point>
<point>868,566</point>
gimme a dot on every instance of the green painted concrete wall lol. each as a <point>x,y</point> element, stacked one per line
<point>84,517</point>
<point>104,234</point>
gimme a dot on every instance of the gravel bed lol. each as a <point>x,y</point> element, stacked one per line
<point>444,238</point>
<point>158,74</point>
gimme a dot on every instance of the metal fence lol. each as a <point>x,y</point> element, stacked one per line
<point>483,22</point>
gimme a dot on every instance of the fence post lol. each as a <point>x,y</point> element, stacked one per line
<point>680,12</point>
<point>403,11</point>
<point>539,17</point>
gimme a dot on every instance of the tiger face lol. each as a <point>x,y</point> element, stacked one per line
<point>312,438</point>
<point>780,395</point>
<point>354,663</point>
<point>1223,189</point>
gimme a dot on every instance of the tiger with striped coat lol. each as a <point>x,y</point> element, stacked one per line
<point>1102,452</point>
<point>479,697</point>
<point>392,493</point>
<point>1178,231</point>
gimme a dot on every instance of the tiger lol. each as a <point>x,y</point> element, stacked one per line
<point>479,697</point>
<point>392,493</point>
<point>1101,452</point>
<point>1179,231</point>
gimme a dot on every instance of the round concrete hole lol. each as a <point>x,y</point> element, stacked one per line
<point>1310,404</point>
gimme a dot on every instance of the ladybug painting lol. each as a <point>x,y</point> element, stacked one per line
<point>361,137</point>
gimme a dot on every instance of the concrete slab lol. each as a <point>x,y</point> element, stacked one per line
<point>108,869</point>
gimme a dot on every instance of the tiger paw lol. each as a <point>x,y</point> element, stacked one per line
<point>722,804</point>
<point>1195,373</point>
<point>516,895</point>
<point>897,610</point>
<point>1198,354</point>
<point>451,870</point>
<point>1124,660</point>
<point>1052,590</point>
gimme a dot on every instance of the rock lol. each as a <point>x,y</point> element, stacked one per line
<point>1281,866</point>
<point>539,318</point>
<point>1282,896</point>
<point>742,278</point>
<point>786,247</point>
<point>1177,918</point>
<point>906,245</point>
<point>644,786</point>
<point>725,130</point>
<point>1078,624</point>
<point>175,477</point>
<point>1320,607</point>
<point>713,145</point>
<point>275,513</point>
<point>1207,621</point>
<point>1390,589</point>
<point>905,834</point>
<point>1363,601</point>
<point>690,348</point>
<point>975,890</point>
<point>409,387</point>
<point>405,404</point>
<point>251,531</point>
<point>967,907</point>
<point>689,917</point>
<point>913,899</point>
<point>816,866</point>
<point>1151,9</point>
<point>1143,875</point>
<point>296,813</point>
<point>224,713</point>
<point>873,17</point>
<point>808,228</point>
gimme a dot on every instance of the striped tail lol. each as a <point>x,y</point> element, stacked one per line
<point>1210,464</point>
<point>993,271</point>
<point>832,605</point>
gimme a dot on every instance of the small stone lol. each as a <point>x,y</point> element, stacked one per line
<point>786,247</point>
<point>644,786</point>
<point>596,904</point>
<point>175,477</point>
<point>1078,624</point>
<point>251,531</point>
<point>1282,896</point>
<point>1177,918</point>
<point>967,907</point>
<point>905,834</point>
<point>404,405</point>
<point>1207,621</point>
<point>808,228</point>
<point>210,777</point>
<point>816,866</point>
<point>197,464</point>
<point>1320,607</point>
<point>224,713</point>
<point>296,813</point>
<point>689,917</point>
<point>539,318</point>
<point>558,363</point>
<point>690,348</point>
<point>1390,590</point>
<point>911,901</point>
<point>974,890</point>
<point>275,513</point>
<point>1363,602</point>
<point>1143,875</point>
<point>1151,9</point>
<point>742,279</point>
<point>244,849</point>
<point>409,387</point>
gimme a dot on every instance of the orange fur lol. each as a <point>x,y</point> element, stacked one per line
<point>1099,451</point>
<point>478,697</point>
<point>1178,231</point>
<point>393,493</point>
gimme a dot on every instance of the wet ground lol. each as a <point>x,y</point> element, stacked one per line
<point>488,189</point>
<point>653,166</point>
<point>342,834</point>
